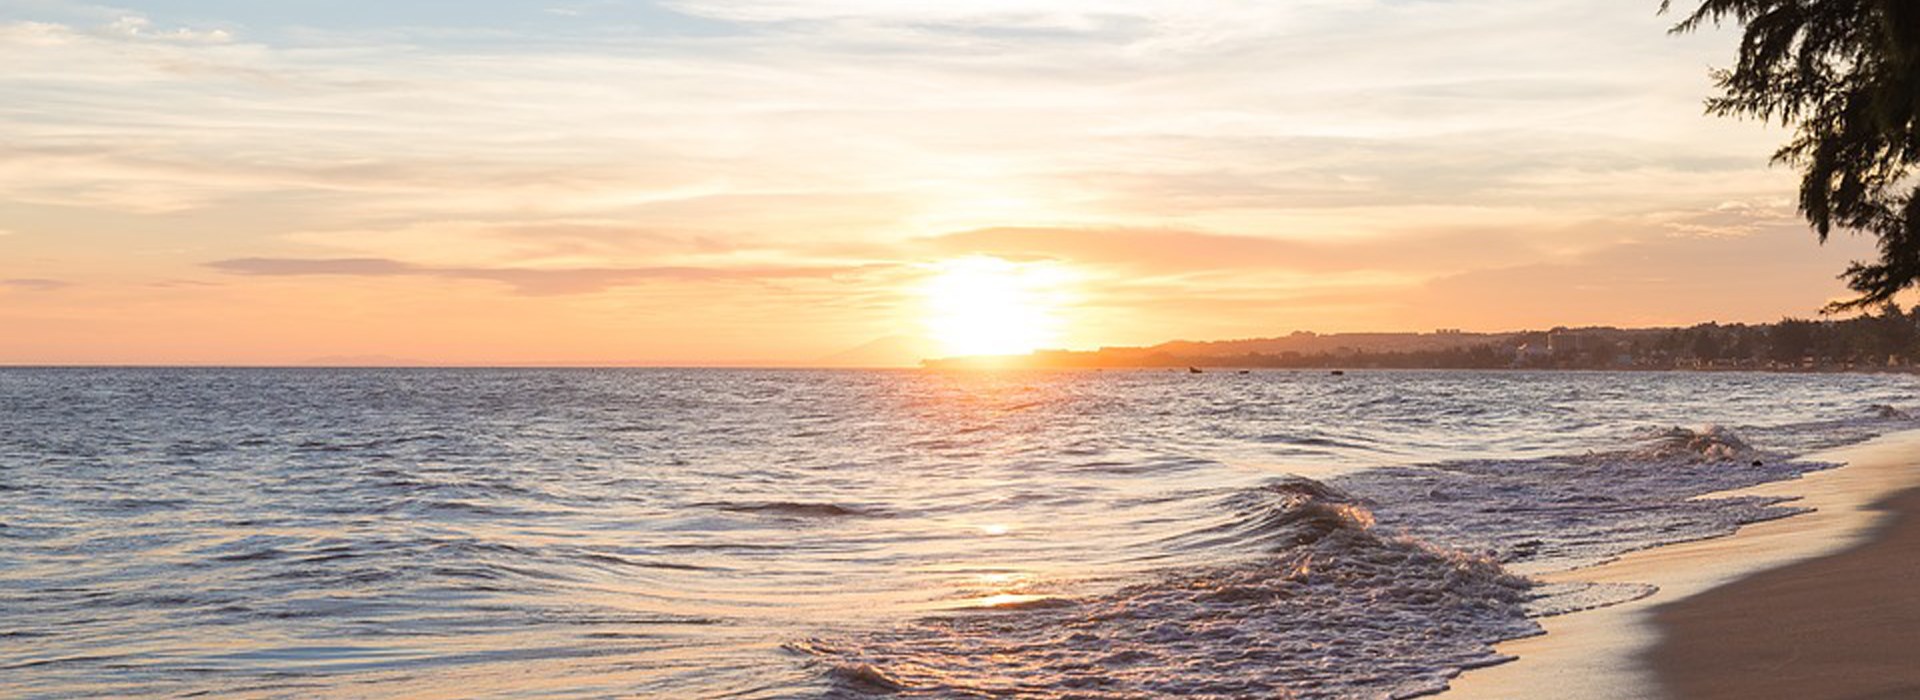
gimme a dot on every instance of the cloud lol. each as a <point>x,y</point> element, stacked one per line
<point>1003,14</point>
<point>139,27</point>
<point>34,284</point>
<point>1188,251</point>
<point>361,267</point>
<point>530,281</point>
<point>1186,113</point>
<point>521,243</point>
<point>1735,219</point>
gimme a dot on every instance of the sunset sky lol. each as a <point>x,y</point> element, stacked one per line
<point>776,181</point>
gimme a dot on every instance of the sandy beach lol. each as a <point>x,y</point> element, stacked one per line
<point>1845,625</point>
<point>1820,605</point>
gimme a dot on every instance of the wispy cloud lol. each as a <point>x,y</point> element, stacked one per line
<point>535,281</point>
<point>1184,251</point>
<point>139,27</point>
<point>1218,116</point>
<point>34,284</point>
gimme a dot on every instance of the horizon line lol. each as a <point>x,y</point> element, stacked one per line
<point>921,363</point>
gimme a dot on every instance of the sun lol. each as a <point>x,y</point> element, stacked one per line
<point>984,305</point>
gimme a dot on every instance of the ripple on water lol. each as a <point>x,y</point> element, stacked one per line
<point>592,533</point>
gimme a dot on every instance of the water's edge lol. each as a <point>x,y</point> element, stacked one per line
<point>1599,653</point>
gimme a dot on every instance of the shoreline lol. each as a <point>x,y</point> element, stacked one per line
<point>1603,654</point>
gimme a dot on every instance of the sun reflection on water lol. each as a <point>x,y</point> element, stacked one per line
<point>1003,600</point>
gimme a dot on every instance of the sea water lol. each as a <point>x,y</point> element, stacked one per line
<point>791,533</point>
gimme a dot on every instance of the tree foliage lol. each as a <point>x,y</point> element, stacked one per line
<point>1845,75</point>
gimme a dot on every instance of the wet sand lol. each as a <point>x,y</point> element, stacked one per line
<point>1841,626</point>
<point>1610,653</point>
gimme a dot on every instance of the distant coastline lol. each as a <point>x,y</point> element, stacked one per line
<point>1887,341</point>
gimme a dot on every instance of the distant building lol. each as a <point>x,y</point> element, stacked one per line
<point>1561,340</point>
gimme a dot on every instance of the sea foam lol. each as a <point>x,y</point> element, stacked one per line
<point>1382,583</point>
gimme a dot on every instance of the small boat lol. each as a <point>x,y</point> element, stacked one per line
<point>1339,373</point>
<point>1193,370</point>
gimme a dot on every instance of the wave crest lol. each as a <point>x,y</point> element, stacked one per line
<point>1297,511</point>
<point>1293,623</point>
<point>1712,443</point>
<point>1881,410</point>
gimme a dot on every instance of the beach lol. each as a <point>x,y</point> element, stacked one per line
<point>1845,625</point>
<point>1819,605</point>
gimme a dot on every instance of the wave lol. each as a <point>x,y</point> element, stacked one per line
<point>1381,583</point>
<point>1710,443</point>
<point>797,509</point>
<point>1312,620</point>
<point>1579,510</point>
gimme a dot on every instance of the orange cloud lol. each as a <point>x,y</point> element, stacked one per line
<point>533,281</point>
<point>1178,251</point>
<point>34,284</point>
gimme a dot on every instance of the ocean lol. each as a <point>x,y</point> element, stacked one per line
<point>795,534</point>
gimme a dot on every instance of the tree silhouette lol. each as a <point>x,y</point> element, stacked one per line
<point>1845,74</point>
<point>1792,339</point>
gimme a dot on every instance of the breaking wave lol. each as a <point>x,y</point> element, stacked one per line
<point>1337,609</point>
<point>1330,593</point>
<point>1712,443</point>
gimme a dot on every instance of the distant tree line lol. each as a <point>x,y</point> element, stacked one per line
<point>1887,337</point>
<point>1474,357</point>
